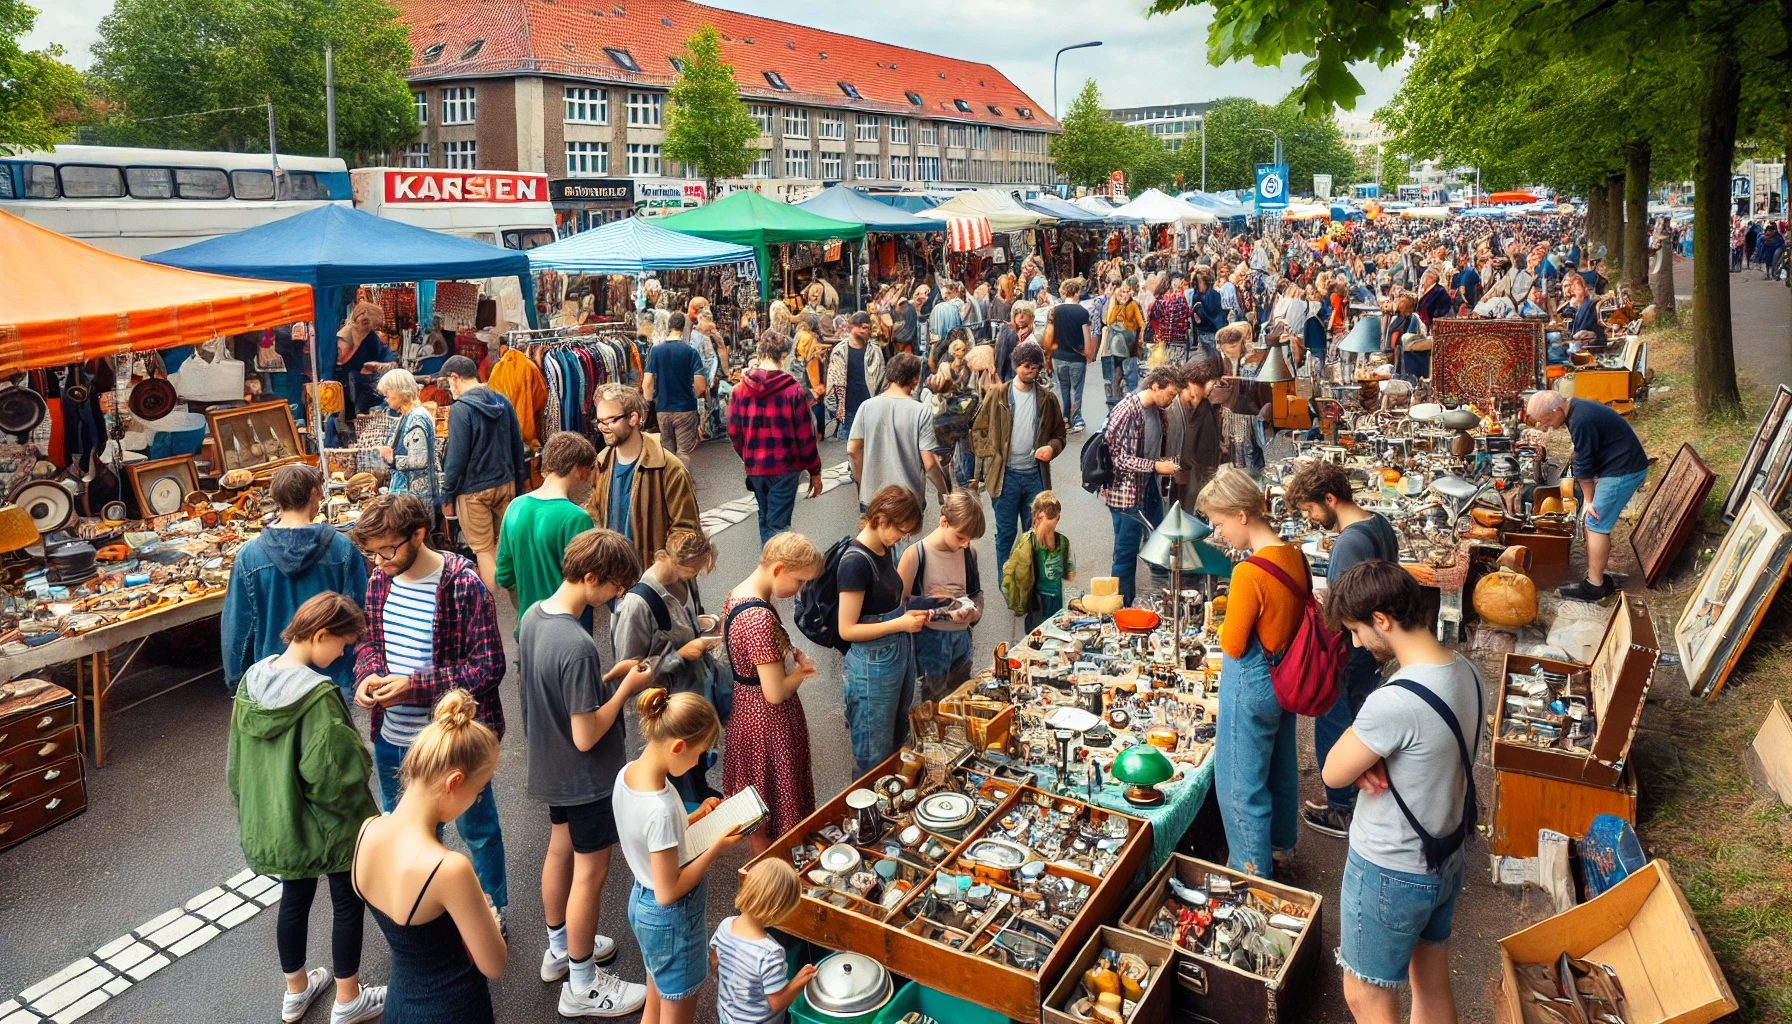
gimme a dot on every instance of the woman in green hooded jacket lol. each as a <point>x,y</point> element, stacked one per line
<point>299,775</point>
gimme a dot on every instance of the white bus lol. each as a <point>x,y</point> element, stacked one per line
<point>507,208</point>
<point>134,202</point>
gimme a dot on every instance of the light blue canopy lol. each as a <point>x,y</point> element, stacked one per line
<point>1218,205</point>
<point>1072,214</point>
<point>634,246</point>
<point>849,204</point>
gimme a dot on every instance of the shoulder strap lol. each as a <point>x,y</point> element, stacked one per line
<point>420,892</point>
<point>662,617</point>
<point>355,859</point>
<point>914,588</point>
<point>1443,711</point>
<point>1275,570</point>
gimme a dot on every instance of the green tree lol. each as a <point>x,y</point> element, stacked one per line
<point>40,96</point>
<point>1235,146</point>
<point>708,127</point>
<point>1087,151</point>
<point>163,65</point>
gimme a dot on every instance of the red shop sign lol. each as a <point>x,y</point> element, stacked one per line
<point>465,187</point>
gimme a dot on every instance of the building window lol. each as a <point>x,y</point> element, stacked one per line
<point>866,127</point>
<point>830,167</point>
<point>913,97</point>
<point>962,106</point>
<point>851,92</point>
<point>762,165</point>
<point>955,170</point>
<point>587,159</point>
<point>776,81</point>
<point>460,156</point>
<point>927,168</point>
<point>833,126</point>
<point>622,59</point>
<point>901,168</point>
<point>864,168</point>
<point>796,123</point>
<point>457,105</point>
<point>643,159</point>
<point>796,163</point>
<point>930,134</point>
<point>677,64</point>
<point>899,131</point>
<point>416,154</point>
<point>955,135</point>
<point>762,114</point>
<point>587,106</point>
<point>420,100</point>
<point>644,109</point>
<point>979,136</point>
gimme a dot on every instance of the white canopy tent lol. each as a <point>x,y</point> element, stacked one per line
<point>993,205</point>
<point>1154,207</point>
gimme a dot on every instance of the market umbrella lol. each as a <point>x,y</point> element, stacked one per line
<point>1512,197</point>
<point>1154,207</point>
<point>849,204</point>
<point>993,205</point>
<point>748,218</point>
<point>634,246</point>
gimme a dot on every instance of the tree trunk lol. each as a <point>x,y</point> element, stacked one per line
<point>1614,224</point>
<point>1714,357</point>
<point>1596,234</point>
<point>1636,222</point>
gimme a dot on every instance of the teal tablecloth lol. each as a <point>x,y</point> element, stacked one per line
<point>1182,801</point>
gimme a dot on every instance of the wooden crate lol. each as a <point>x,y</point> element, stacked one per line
<point>1522,804</point>
<point>1549,556</point>
<point>1153,1006</point>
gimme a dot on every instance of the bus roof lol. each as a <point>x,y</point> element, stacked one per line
<point>130,156</point>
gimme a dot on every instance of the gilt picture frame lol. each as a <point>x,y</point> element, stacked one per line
<point>1734,592</point>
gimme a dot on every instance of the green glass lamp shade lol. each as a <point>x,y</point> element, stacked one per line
<point>1208,560</point>
<point>1179,525</point>
<point>1365,338</point>
<point>1142,765</point>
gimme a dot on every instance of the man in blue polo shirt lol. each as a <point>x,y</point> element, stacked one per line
<point>1609,466</point>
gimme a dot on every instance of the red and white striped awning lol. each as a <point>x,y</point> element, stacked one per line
<point>963,234</point>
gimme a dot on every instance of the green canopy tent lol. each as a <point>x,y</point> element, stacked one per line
<point>748,218</point>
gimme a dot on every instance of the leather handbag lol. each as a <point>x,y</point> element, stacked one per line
<point>210,375</point>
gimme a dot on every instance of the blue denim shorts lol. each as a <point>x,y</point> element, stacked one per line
<point>1610,495</point>
<point>673,940</point>
<point>1383,915</point>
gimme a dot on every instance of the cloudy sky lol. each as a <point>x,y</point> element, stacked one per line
<point>1156,60</point>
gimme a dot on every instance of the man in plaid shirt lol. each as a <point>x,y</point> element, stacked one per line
<point>773,429</point>
<point>431,627</point>
<point>1136,438</point>
<point>1170,315</point>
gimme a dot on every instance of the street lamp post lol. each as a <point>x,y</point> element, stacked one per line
<point>1271,132</point>
<point>1202,121</point>
<point>1055,56</point>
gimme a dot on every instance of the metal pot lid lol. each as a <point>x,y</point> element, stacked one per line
<point>849,984</point>
<point>1459,419</point>
<point>48,503</point>
<point>840,859</point>
<point>1425,412</point>
<point>945,811</point>
<point>997,853</point>
<point>859,799</point>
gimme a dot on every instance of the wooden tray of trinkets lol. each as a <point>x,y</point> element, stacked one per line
<point>1231,988</point>
<point>970,943</point>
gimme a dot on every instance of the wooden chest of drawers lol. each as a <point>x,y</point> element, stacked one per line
<point>40,759</point>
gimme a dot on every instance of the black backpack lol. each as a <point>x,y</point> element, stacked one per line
<point>1097,463</point>
<point>818,603</point>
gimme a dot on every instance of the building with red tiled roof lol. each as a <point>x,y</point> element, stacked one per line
<point>577,89</point>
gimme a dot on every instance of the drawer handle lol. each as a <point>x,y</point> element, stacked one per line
<point>5,766</point>
<point>5,827</point>
<point>46,721</point>
<point>54,803</point>
<point>3,736</point>
<point>5,795</point>
<point>53,774</point>
<point>49,748</point>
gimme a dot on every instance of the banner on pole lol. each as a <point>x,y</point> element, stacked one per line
<point>1272,186</point>
<point>1322,186</point>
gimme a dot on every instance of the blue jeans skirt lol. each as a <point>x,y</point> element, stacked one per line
<point>1255,770</point>
<point>1384,915</point>
<point>880,685</point>
<point>674,940</point>
<point>937,653</point>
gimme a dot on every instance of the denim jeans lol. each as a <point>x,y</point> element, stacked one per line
<point>478,826</point>
<point>1255,770</point>
<point>1129,536</point>
<point>1384,914</point>
<point>1070,390</point>
<point>1121,375</point>
<point>1014,507</point>
<point>937,652</point>
<point>674,939</point>
<point>880,685</point>
<point>777,501</point>
<point>1361,676</point>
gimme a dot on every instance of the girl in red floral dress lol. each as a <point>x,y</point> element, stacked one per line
<point>768,737</point>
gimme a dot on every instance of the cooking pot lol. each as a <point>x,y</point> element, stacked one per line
<point>849,986</point>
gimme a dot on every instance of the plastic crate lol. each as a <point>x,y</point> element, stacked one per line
<point>800,1013</point>
<point>941,1007</point>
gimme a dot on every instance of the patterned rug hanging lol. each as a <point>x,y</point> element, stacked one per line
<point>1476,360</point>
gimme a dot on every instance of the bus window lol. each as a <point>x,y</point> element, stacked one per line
<point>6,187</point>
<point>92,181</point>
<point>306,185</point>
<point>252,184</point>
<point>201,183</point>
<point>150,182</point>
<point>40,181</point>
<point>528,238</point>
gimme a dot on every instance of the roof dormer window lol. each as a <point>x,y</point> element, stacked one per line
<point>913,97</point>
<point>851,92</point>
<point>776,81</point>
<point>962,106</point>
<point>622,58</point>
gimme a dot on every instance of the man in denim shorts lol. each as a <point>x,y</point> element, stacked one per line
<point>1414,741</point>
<point>1609,466</point>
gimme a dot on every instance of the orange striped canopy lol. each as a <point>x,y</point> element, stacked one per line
<point>62,301</point>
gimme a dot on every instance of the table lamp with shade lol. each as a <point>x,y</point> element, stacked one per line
<point>1177,545</point>
<point>1275,368</point>
<point>1364,340</point>
<point>1143,768</point>
<point>17,532</point>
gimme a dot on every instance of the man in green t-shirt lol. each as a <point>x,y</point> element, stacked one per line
<point>538,526</point>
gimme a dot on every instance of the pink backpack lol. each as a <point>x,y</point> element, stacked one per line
<point>1305,676</point>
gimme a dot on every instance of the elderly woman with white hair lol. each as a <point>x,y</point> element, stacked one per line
<point>412,453</point>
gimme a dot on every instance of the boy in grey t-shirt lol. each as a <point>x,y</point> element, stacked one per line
<point>1397,902</point>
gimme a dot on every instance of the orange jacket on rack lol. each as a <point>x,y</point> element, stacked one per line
<point>520,381</point>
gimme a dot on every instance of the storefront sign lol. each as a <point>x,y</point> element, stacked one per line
<point>656,198</point>
<point>589,189</point>
<point>1117,185</point>
<point>464,187</point>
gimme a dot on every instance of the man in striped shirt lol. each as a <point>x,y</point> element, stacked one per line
<point>432,627</point>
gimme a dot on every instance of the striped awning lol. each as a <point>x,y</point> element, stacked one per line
<point>963,234</point>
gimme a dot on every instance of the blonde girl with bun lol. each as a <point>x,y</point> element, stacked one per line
<point>666,907</point>
<point>444,935</point>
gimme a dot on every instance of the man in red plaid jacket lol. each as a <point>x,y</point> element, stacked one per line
<point>773,428</point>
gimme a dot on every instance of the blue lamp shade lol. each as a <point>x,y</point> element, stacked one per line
<point>1365,338</point>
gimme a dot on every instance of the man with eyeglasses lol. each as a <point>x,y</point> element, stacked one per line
<point>641,491</point>
<point>432,626</point>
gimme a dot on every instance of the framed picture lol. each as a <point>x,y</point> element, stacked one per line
<point>1669,514</point>
<point>161,486</point>
<point>1736,589</point>
<point>1478,360</point>
<point>1772,425</point>
<point>254,436</point>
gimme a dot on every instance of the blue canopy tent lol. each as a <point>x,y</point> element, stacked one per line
<point>1218,205</point>
<point>908,202</point>
<point>1342,213</point>
<point>849,204</point>
<point>1071,215</point>
<point>635,246</point>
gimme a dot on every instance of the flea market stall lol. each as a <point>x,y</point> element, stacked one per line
<point>804,241</point>
<point>896,241</point>
<point>1170,221</point>
<point>988,226</point>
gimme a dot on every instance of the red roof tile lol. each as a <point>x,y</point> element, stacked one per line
<point>567,38</point>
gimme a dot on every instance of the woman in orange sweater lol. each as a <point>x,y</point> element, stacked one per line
<point>1255,772</point>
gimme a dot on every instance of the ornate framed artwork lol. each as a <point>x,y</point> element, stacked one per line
<point>161,486</point>
<point>1476,360</point>
<point>1735,591</point>
<point>1669,514</point>
<point>1767,432</point>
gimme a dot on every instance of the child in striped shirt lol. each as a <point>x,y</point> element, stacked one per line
<point>751,986</point>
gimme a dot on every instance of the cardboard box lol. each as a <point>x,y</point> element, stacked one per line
<point>1642,929</point>
<point>1522,804</point>
<point>1153,1006</point>
<point>1619,680</point>
<point>1216,990</point>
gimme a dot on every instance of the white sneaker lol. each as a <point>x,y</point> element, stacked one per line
<point>366,1006</point>
<point>554,966</point>
<point>295,1004</point>
<point>609,996</point>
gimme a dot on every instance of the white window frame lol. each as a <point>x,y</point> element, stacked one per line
<point>979,136</point>
<point>898,131</point>
<point>901,168</point>
<point>796,162</point>
<point>587,105</point>
<point>587,159</point>
<point>460,156</point>
<point>644,159</point>
<point>926,164</point>
<point>764,114</point>
<point>459,105</point>
<point>956,135</point>
<point>796,123</point>
<point>646,109</point>
<point>420,101</point>
<point>864,167</point>
<point>762,165</point>
<point>831,169</point>
<point>833,126</point>
<point>866,127</point>
<point>415,155</point>
<point>930,133</point>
